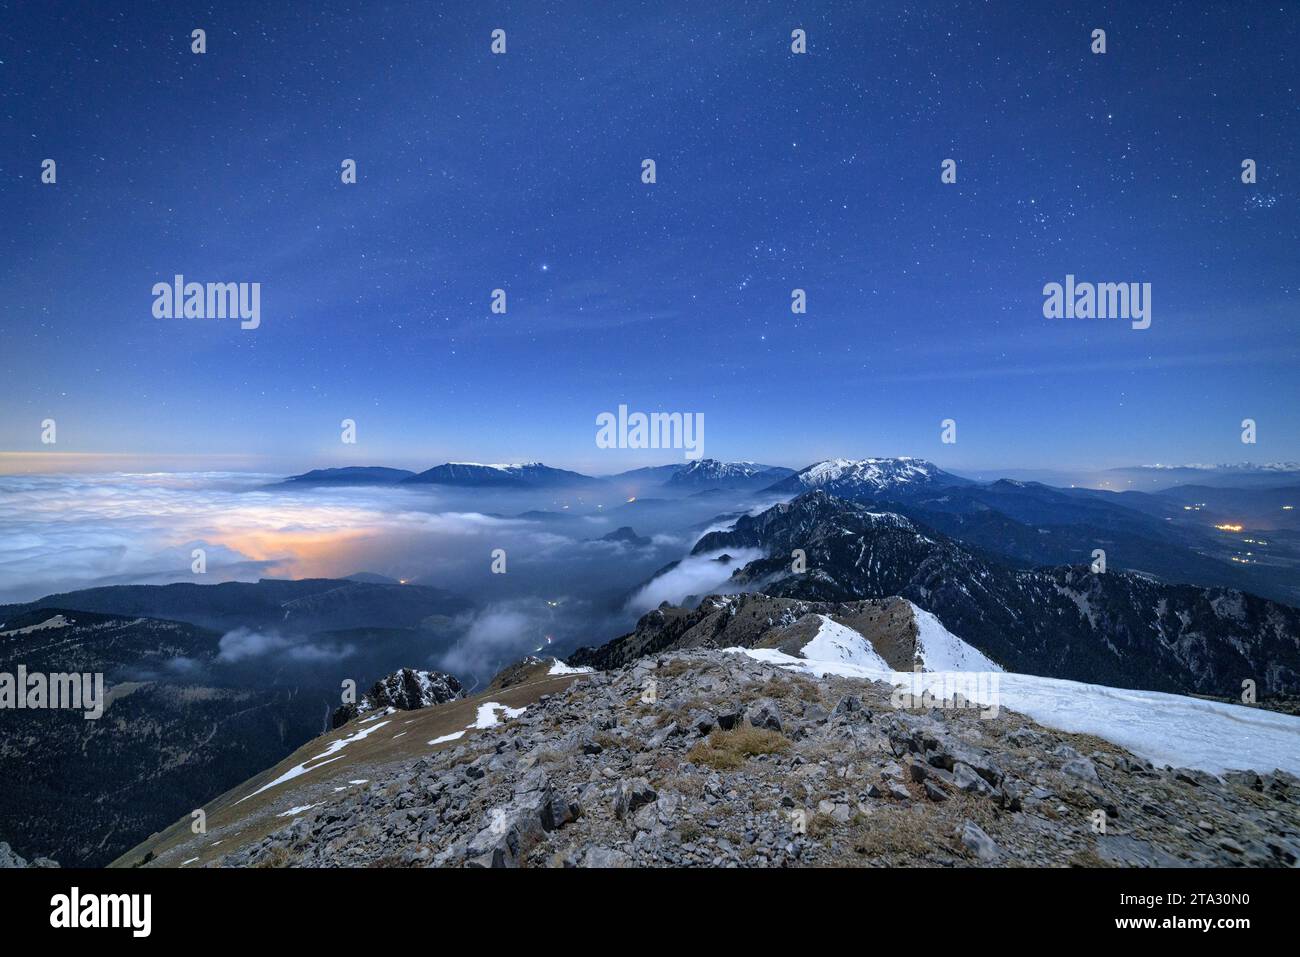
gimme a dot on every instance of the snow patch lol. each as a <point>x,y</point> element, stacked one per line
<point>836,642</point>
<point>322,758</point>
<point>938,649</point>
<point>58,621</point>
<point>1166,729</point>
<point>488,718</point>
<point>560,668</point>
<point>448,737</point>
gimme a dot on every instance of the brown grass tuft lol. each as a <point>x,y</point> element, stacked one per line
<point>728,750</point>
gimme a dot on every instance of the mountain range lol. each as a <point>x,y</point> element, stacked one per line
<point>475,475</point>
<point>884,472</point>
<point>710,473</point>
<point>1205,534</point>
<point>1116,628</point>
<point>691,476</point>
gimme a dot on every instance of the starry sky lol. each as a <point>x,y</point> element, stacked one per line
<point>522,171</point>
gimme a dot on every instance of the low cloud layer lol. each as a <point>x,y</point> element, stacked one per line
<point>60,533</point>
<point>245,643</point>
<point>564,586</point>
<point>694,575</point>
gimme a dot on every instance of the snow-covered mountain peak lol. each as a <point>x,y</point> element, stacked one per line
<point>868,476</point>
<point>716,469</point>
<point>712,473</point>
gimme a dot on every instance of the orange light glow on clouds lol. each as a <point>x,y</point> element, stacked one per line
<point>63,463</point>
<point>299,553</point>
<point>60,531</point>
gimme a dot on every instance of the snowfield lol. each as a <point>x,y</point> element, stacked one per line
<point>836,642</point>
<point>938,649</point>
<point>1166,729</point>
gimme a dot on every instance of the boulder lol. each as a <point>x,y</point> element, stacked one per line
<point>632,795</point>
<point>978,843</point>
<point>764,713</point>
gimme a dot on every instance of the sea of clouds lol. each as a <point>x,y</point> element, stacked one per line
<point>563,586</point>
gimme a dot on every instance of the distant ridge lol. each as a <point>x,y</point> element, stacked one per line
<point>350,475</point>
<point>710,473</point>
<point>478,475</point>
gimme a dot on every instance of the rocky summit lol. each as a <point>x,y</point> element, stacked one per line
<point>716,758</point>
<point>403,690</point>
<point>9,859</point>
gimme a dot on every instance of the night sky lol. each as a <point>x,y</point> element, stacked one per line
<point>775,171</point>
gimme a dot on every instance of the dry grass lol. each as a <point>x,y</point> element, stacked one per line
<point>896,836</point>
<point>820,825</point>
<point>728,750</point>
<point>674,668</point>
<point>1089,858</point>
<point>785,689</point>
<point>683,710</point>
<point>690,785</point>
<point>276,856</point>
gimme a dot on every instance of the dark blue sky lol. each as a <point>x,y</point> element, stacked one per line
<point>775,171</point>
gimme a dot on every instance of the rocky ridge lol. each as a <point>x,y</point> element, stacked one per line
<point>754,620</point>
<point>711,758</point>
<point>10,859</point>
